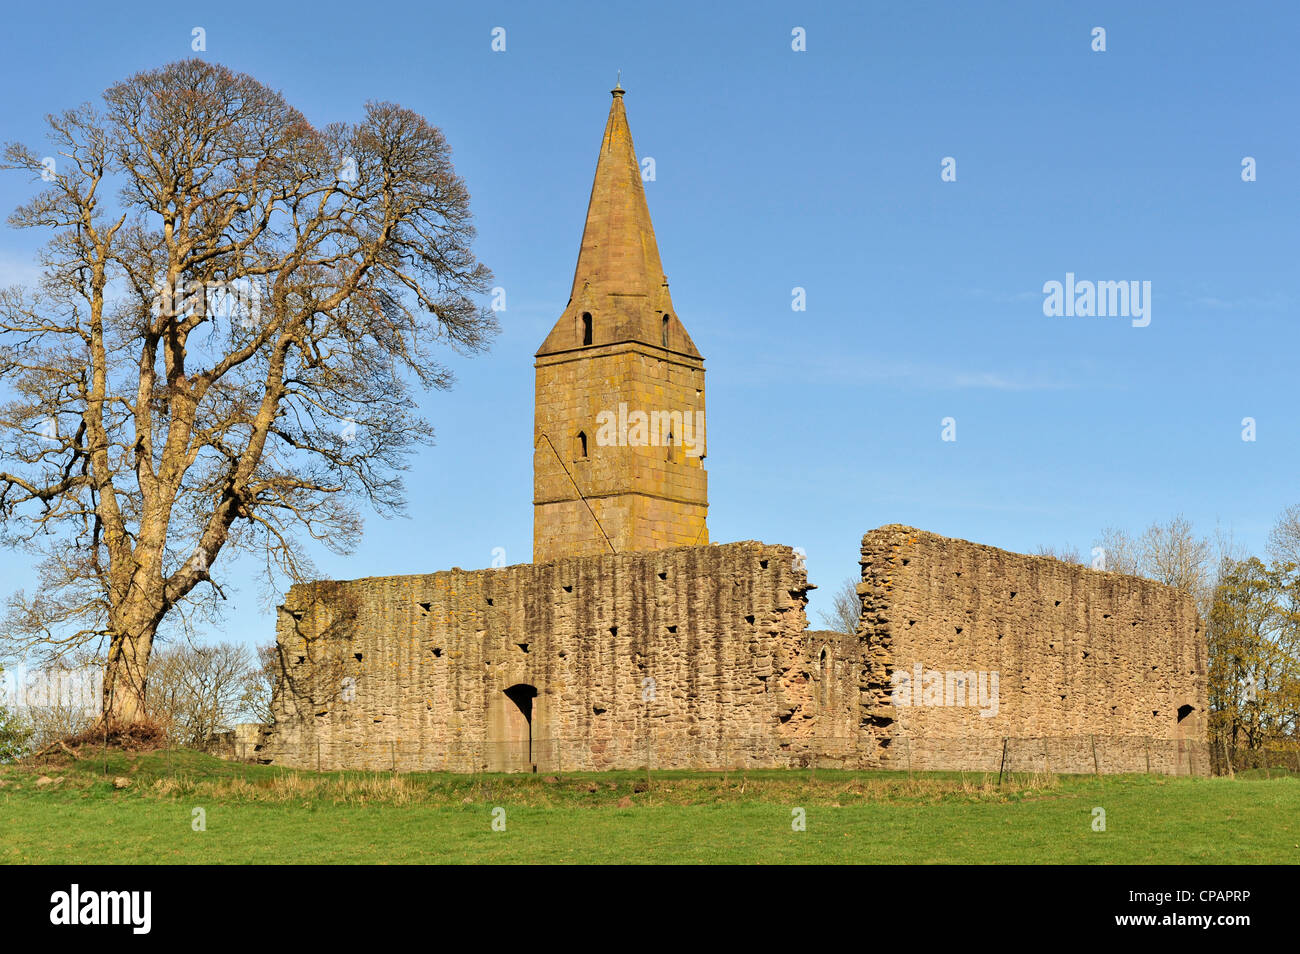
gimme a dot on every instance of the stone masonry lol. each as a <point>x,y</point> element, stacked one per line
<point>697,650</point>
<point>1096,671</point>
<point>619,350</point>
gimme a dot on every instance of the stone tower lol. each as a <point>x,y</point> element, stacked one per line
<point>618,434</point>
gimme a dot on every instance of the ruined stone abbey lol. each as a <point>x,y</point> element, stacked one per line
<point>632,640</point>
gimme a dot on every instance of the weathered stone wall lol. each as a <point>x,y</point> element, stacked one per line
<point>1094,669</point>
<point>698,652</point>
<point>698,657</point>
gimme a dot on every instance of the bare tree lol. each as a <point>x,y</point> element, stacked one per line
<point>1118,552</point>
<point>846,608</point>
<point>1066,554</point>
<point>59,715</point>
<point>1173,553</point>
<point>222,356</point>
<point>1284,538</point>
<point>196,691</point>
<point>259,685</point>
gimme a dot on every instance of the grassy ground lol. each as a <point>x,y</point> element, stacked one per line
<point>69,812</point>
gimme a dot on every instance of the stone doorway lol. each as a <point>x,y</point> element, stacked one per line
<point>511,715</point>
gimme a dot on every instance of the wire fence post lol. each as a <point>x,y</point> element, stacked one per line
<point>1003,763</point>
<point>318,755</point>
<point>1148,744</point>
<point>1096,766</point>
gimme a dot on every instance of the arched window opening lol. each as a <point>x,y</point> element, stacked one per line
<point>580,446</point>
<point>824,664</point>
<point>665,332</point>
<point>586,327</point>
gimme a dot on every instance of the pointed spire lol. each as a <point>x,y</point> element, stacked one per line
<point>619,278</point>
<point>619,254</point>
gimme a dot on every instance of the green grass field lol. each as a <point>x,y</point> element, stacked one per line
<point>69,812</point>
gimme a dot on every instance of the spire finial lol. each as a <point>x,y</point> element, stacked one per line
<point>618,85</point>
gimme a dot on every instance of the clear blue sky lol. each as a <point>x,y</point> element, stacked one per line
<point>821,169</point>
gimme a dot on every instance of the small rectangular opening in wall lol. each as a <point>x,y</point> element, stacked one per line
<point>489,601</point>
<point>762,564</point>
<point>436,652</point>
<point>1184,711</point>
<point>672,629</point>
<point>568,588</point>
<point>523,646</point>
<point>424,608</point>
<point>750,620</point>
<point>357,657</point>
<point>663,576</point>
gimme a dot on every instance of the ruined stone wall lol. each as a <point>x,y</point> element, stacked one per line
<point>697,653</point>
<point>1094,669</point>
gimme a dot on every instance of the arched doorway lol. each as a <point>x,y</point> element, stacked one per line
<point>510,729</point>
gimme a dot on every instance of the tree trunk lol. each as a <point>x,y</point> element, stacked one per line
<point>126,675</point>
